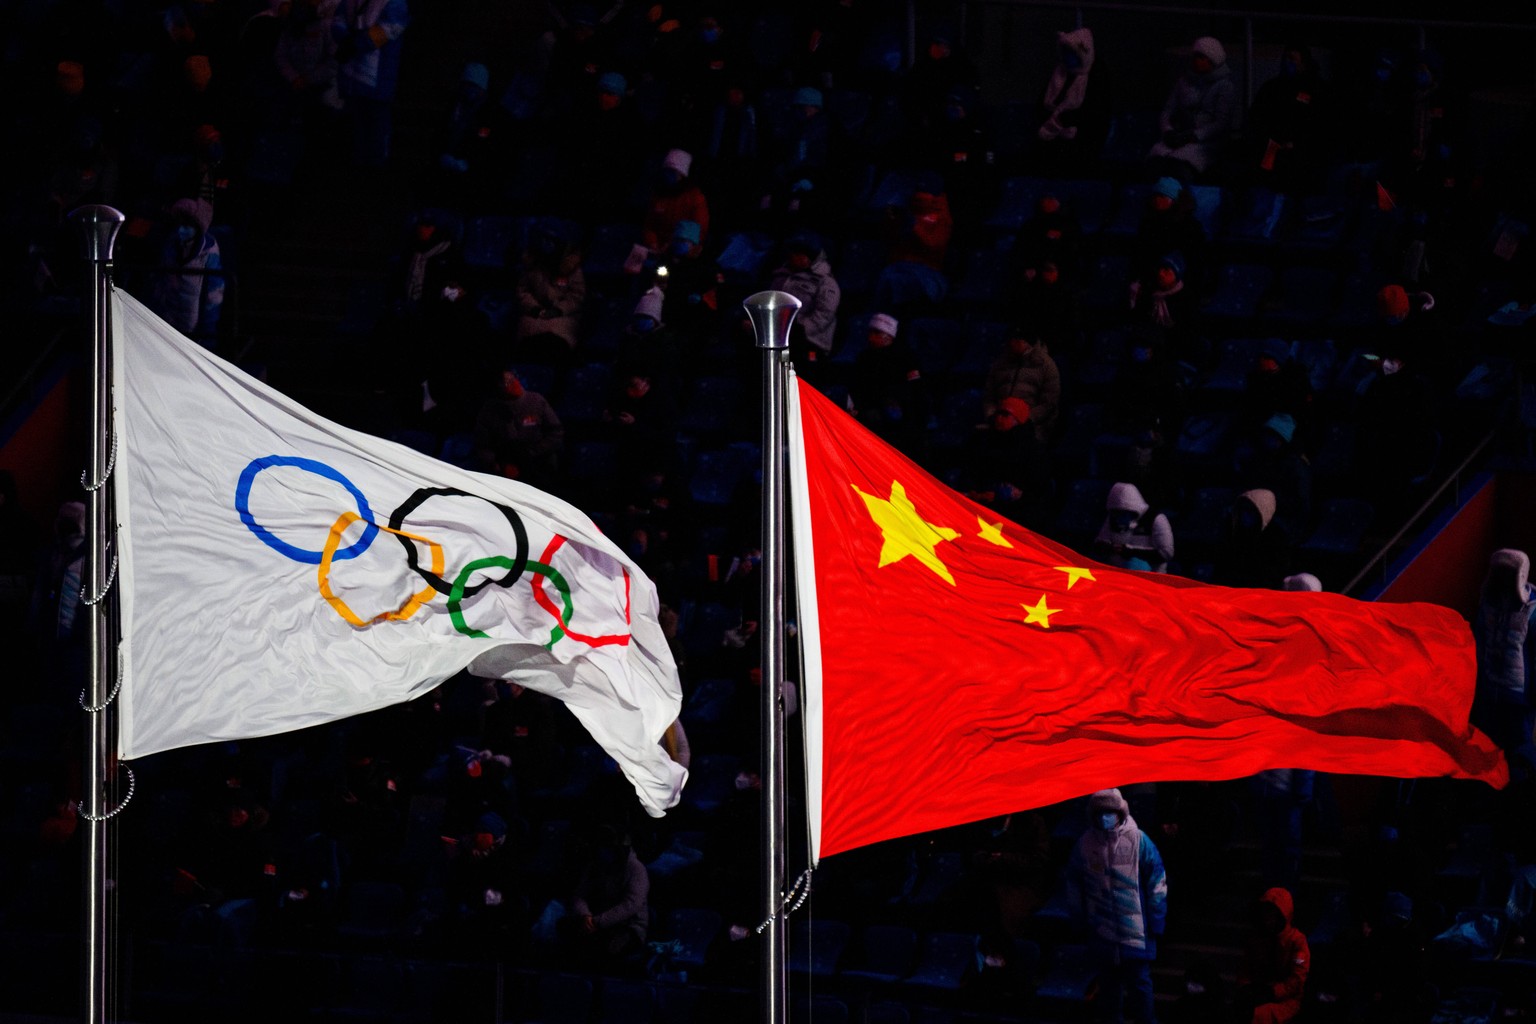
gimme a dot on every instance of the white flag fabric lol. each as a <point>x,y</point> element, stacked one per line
<point>279,571</point>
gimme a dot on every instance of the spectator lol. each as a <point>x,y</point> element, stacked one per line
<point>609,904</point>
<point>1255,553</point>
<point>675,199</point>
<point>1025,369</point>
<point>305,54</point>
<point>430,262</point>
<point>1115,880</point>
<point>1287,126</point>
<point>1051,234</point>
<point>468,127</point>
<point>887,389</point>
<point>691,283</point>
<point>1279,465</point>
<point>934,75</point>
<point>1005,465</point>
<point>961,149</point>
<point>639,417</point>
<point>1275,966</point>
<point>188,291</point>
<point>1168,225</point>
<point>518,435</point>
<point>802,153</point>
<point>913,281</point>
<point>1164,302</point>
<point>1066,93</point>
<point>731,150</point>
<point>1502,629</point>
<point>1133,532</point>
<point>1201,112</point>
<point>551,296</point>
<point>806,274</point>
<point>1048,306</point>
<point>367,35</point>
<point>597,177</point>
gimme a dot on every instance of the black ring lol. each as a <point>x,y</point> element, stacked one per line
<point>442,586</point>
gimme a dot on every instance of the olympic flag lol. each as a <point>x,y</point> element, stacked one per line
<point>279,571</point>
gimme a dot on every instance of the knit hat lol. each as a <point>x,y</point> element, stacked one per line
<point>1015,407</point>
<point>1170,187</point>
<point>193,211</point>
<point>884,323</point>
<point>807,242</point>
<point>807,96</point>
<point>1174,261</point>
<point>1107,800</point>
<point>688,230</point>
<point>680,160</point>
<point>650,304</point>
<point>1302,581</point>
<point>1263,502</point>
<point>612,82</point>
<point>1392,302</point>
<point>476,74</point>
<point>1282,424</point>
<point>1211,49</point>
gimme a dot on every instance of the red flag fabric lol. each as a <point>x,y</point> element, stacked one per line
<point>959,666</point>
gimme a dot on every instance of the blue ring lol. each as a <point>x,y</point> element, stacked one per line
<point>243,506</point>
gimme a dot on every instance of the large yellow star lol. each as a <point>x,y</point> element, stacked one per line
<point>992,533</point>
<point>906,532</point>
<point>1039,613</point>
<point>1074,574</point>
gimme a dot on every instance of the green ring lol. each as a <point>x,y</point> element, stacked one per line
<point>461,582</point>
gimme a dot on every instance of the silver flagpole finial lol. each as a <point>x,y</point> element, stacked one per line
<point>99,224</point>
<point>771,314</point>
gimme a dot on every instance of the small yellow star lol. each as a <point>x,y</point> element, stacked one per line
<point>1039,613</point>
<point>1073,575</point>
<point>906,532</point>
<point>992,533</point>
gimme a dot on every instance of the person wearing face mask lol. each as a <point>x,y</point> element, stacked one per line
<point>1005,467</point>
<point>597,170</point>
<point>1067,89</point>
<point>551,296</point>
<point>368,36</point>
<point>1164,303</point>
<point>1506,651</point>
<point>1201,112</point>
<point>305,54</point>
<point>188,290</point>
<point>887,388</point>
<point>1133,529</point>
<point>1053,234</point>
<point>1275,963</point>
<point>640,416</point>
<point>1286,126</point>
<point>1168,224</point>
<point>1050,303</point>
<point>806,274</point>
<point>801,156</point>
<point>518,435</point>
<point>1116,883</point>
<point>674,199</point>
<point>1024,369</point>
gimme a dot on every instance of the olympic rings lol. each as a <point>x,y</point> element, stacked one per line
<point>457,593</point>
<point>442,586</point>
<point>406,610</point>
<point>243,506</point>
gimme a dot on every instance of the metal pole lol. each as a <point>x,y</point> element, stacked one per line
<point>99,225</point>
<point>772,313</point>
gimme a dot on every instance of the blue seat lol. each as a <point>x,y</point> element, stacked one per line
<point>1305,295</point>
<point>716,475</point>
<point>1209,200</point>
<point>609,249</point>
<point>816,945</point>
<point>709,705</point>
<point>983,277</point>
<point>886,953</point>
<point>564,999</point>
<point>703,623</point>
<point>1016,202</point>
<point>1101,363</point>
<point>1256,216</point>
<point>1357,302</point>
<point>1071,976</point>
<point>694,930</point>
<point>1204,519</point>
<point>488,241</point>
<point>937,342</point>
<point>887,1011</point>
<point>1131,134</point>
<point>711,782</point>
<point>1239,287</point>
<point>858,265</point>
<point>1341,527</point>
<point>1128,211</point>
<point>1317,223</point>
<point>1108,280</point>
<point>585,393</point>
<point>375,912</point>
<point>939,877</point>
<point>499,307</point>
<point>1087,199</point>
<point>1317,356</point>
<point>626,1002</point>
<point>713,405</point>
<point>1335,457</point>
<point>823,1009</point>
<point>593,461</point>
<point>1203,434</point>
<point>458,450</point>
<point>1234,359</point>
<point>947,958</point>
<point>984,340</point>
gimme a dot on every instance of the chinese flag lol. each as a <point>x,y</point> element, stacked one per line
<point>959,666</point>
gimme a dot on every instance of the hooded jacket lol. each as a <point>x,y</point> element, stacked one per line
<point>819,295</point>
<point>1067,89</point>
<point>1033,377</point>
<point>1147,537</point>
<point>1204,105</point>
<point>1277,964</point>
<point>1116,879</point>
<point>188,293</point>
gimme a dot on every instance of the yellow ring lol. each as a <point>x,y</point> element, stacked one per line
<point>406,610</point>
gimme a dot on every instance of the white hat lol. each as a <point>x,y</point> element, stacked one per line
<point>1211,49</point>
<point>650,304</point>
<point>884,323</point>
<point>679,160</point>
<point>1302,581</point>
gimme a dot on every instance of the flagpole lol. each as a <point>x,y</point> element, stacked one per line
<point>772,313</point>
<point>99,226</point>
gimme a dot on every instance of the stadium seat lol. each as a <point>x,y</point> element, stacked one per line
<point>1070,978</point>
<point>885,953</point>
<point>1256,216</point>
<point>816,945</point>
<point>711,782</point>
<point>488,241</point>
<point>1341,527</point>
<point>694,930</point>
<point>947,958</point>
<point>1304,295</point>
<point>936,342</point>
<point>1239,287</point>
<point>626,1002</point>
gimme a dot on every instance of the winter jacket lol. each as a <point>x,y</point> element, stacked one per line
<point>1033,377</point>
<point>367,35</point>
<point>1065,92</point>
<point>819,295</point>
<point>551,305</point>
<point>1116,879</point>
<point>1277,965</point>
<point>189,291</point>
<point>615,901</point>
<point>1204,105</point>
<point>1149,538</point>
<point>667,210</point>
<point>522,431</point>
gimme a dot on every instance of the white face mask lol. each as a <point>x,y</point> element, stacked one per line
<point>1108,820</point>
<point>1391,366</point>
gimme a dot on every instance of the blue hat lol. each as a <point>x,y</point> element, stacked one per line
<point>1169,187</point>
<point>688,230</point>
<point>476,74</point>
<point>1174,260</point>
<point>806,96</point>
<point>612,82</point>
<point>1282,424</point>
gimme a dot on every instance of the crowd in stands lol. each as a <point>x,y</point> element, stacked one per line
<point>1240,345</point>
